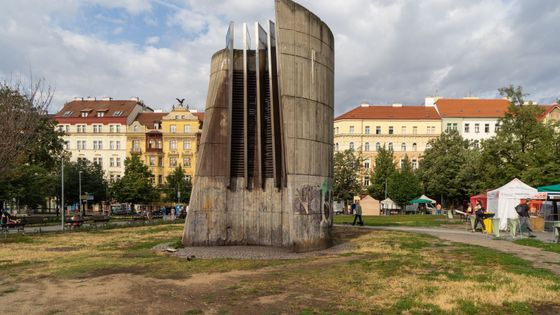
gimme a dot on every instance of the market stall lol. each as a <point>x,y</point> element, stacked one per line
<point>480,197</point>
<point>550,198</point>
<point>502,201</point>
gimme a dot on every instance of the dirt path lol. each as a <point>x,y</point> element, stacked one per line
<point>539,257</point>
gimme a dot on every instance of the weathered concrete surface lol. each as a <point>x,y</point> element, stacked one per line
<point>299,215</point>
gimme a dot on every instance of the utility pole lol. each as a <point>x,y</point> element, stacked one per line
<point>62,196</point>
<point>80,194</point>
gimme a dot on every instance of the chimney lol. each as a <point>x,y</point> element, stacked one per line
<point>397,105</point>
<point>364,105</point>
<point>78,99</point>
<point>106,98</point>
<point>135,98</point>
<point>89,98</point>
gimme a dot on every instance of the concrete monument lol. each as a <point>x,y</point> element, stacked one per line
<point>265,163</point>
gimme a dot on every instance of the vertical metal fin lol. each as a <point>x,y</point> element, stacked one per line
<point>229,47</point>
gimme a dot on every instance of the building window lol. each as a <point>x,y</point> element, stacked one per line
<point>476,128</point>
<point>403,130</point>
<point>414,130</point>
<point>118,145</point>
<point>366,146</point>
<point>351,129</point>
<point>475,144</point>
<point>486,128</point>
<point>172,162</point>
<point>111,145</point>
<point>160,162</point>
<point>111,128</point>
<point>117,113</point>
<point>136,145</point>
<point>402,163</point>
<point>173,145</point>
<point>377,130</point>
<point>135,128</point>
<point>366,180</point>
<point>98,161</point>
<point>61,128</point>
<point>351,146</point>
<point>433,129</point>
<point>186,145</point>
<point>448,127</point>
<point>366,165</point>
<point>366,130</point>
<point>156,126</point>
<point>152,161</point>
<point>95,145</point>
<point>151,144</point>
<point>377,146</point>
<point>390,130</point>
<point>160,179</point>
<point>112,178</point>
<point>111,162</point>
<point>467,128</point>
<point>84,114</point>
<point>66,145</point>
<point>187,162</point>
<point>100,114</point>
<point>403,147</point>
<point>187,128</point>
<point>497,127</point>
<point>173,129</point>
<point>336,130</point>
<point>67,114</point>
<point>118,162</point>
<point>454,126</point>
<point>428,130</point>
<point>414,164</point>
<point>117,128</point>
<point>390,146</point>
<point>81,144</point>
<point>414,147</point>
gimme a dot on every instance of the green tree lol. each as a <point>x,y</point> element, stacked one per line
<point>524,147</point>
<point>177,186</point>
<point>441,169</point>
<point>384,168</point>
<point>404,185</point>
<point>92,181</point>
<point>136,186</point>
<point>347,169</point>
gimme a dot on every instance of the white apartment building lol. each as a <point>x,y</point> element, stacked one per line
<point>97,130</point>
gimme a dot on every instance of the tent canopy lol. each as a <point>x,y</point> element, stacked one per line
<point>389,204</point>
<point>420,201</point>
<point>550,188</point>
<point>480,197</point>
<point>502,201</point>
<point>427,198</point>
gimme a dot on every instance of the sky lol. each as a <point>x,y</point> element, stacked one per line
<point>386,51</point>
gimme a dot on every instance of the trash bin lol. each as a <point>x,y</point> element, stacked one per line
<point>496,226</point>
<point>513,226</point>
<point>488,225</point>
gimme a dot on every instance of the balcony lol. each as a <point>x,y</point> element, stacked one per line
<point>136,151</point>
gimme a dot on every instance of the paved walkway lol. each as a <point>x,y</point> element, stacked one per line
<point>537,256</point>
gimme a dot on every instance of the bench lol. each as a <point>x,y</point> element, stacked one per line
<point>74,223</point>
<point>19,226</point>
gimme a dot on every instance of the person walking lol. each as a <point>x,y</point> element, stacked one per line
<point>479,213</point>
<point>523,211</point>
<point>358,214</point>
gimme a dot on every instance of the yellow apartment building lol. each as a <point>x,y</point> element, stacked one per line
<point>180,129</point>
<point>403,129</point>
<point>144,137</point>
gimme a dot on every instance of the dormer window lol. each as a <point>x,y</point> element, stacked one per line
<point>100,114</point>
<point>67,113</point>
<point>118,113</point>
<point>84,114</point>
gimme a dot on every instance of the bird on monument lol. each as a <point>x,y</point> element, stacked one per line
<point>180,101</point>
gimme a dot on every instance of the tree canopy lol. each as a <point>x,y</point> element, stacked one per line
<point>136,186</point>
<point>384,168</point>
<point>347,169</point>
<point>177,186</point>
<point>403,184</point>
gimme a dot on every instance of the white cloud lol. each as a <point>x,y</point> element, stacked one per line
<point>386,51</point>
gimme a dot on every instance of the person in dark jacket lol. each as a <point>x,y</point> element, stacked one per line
<point>523,211</point>
<point>479,213</point>
<point>358,214</point>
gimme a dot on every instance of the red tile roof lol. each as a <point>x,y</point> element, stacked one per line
<point>390,112</point>
<point>200,115</point>
<point>472,108</point>
<point>73,109</point>
<point>148,119</point>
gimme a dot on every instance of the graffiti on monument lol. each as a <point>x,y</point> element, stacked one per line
<point>314,200</point>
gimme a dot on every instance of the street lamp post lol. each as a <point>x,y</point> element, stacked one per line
<point>62,196</point>
<point>80,193</point>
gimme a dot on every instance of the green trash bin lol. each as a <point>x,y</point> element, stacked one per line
<point>496,226</point>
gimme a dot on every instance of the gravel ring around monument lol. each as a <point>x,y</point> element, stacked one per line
<point>249,252</point>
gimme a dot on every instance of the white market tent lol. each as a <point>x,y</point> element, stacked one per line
<point>502,201</point>
<point>389,204</point>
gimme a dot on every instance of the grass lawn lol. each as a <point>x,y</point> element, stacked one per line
<point>383,272</point>
<point>416,220</point>
<point>550,247</point>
